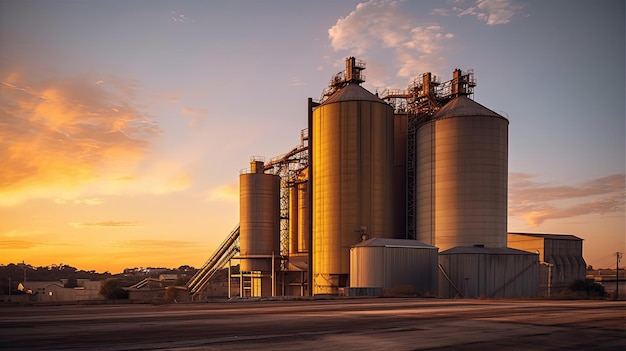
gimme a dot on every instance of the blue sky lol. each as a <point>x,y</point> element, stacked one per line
<point>124,124</point>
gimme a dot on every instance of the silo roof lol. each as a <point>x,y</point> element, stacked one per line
<point>352,92</point>
<point>464,106</point>
<point>551,236</point>
<point>484,251</point>
<point>383,242</point>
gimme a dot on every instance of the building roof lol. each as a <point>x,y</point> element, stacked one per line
<point>352,92</point>
<point>380,242</point>
<point>464,106</point>
<point>485,251</point>
<point>550,236</point>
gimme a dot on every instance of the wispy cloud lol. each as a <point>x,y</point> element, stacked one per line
<point>196,116</point>
<point>62,137</point>
<point>296,82</point>
<point>105,224</point>
<point>536,202</point>
<point>17,244</point>
<point>89,201</point>
<point>491,12</point>
<point>151,244</point>
<point>417,45</point>
<point>227,192</point>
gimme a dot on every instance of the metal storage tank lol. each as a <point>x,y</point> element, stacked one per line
<point>462,170</point>
<point>352,156</point>
<point>481,272</point>
<point>259,211</point>
<point>303,217</point>
<point>294,215</point>
<point>394,263</point>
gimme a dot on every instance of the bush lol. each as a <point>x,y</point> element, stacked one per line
<point>587,289</point>
<point>401,291</point>
<point>170,294</point>
<point>112,289</point>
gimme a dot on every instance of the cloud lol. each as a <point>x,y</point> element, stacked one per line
<point>60,135</point>
<point>105,224</point>
<point>417,46</point>
<point>89,201</point>
<point>227,192</point>
<point>537,202</point>
<point>296,82</point>
<point>196,116</point>
<point>17,244</point>
<point>152,244</point>
<point>492,12</point>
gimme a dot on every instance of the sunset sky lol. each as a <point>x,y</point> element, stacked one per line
<point>124,124</point>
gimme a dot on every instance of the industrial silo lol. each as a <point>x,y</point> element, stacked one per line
<point>461,182</point>
<point>303,216</point>
<point>391,265</point>
<point>259,219</point>
<point>294,215</point>
<point>352,158</point>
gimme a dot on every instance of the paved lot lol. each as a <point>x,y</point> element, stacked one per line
<point>357,324</point>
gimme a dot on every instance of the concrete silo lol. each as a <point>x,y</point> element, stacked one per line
<point>259,227</point>
<point>352,191</point>
<point>462,166</point>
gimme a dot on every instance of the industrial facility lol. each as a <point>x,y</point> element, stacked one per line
<point>402,188</point>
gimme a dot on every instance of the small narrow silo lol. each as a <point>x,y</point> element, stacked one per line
<point>303,214</point>
<point>294,216</point>
<point>352,157</point>
<point>462,166</point>
<point>259,218</point>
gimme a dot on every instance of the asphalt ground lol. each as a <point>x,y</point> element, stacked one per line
<point>342,324</point>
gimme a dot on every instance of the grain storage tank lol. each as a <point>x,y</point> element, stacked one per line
<point>259,213</point>
<point>303,213</point>
<point>393,266</point>
<point>294,206</point>
<point>352,157</point>
<point>462,165</point>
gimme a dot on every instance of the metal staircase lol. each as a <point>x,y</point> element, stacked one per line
<point>227,250</point>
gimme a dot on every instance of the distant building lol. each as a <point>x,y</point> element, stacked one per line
<point>55,291</point>
<point>560,255</point>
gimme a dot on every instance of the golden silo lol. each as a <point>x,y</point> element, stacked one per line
<point>259,218</point>
<point>303,216</point>
<point>294,215</point>
<point>352,157</point>
<point>462,169</point>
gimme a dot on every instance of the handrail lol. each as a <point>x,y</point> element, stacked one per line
<point>200,279</point>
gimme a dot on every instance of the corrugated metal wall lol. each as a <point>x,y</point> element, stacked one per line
<point>488,275</point>
<point>389,267</point>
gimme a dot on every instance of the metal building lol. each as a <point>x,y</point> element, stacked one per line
<point>482,272</point>
<point>352,158</point>
<point>462,170</point>
<point>259,210</point>
<point>385,264</point>
<point>561,258</point>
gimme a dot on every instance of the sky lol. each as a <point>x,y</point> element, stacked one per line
<point>124,124</point>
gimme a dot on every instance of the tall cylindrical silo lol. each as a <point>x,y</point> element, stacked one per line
<point>303,217</point>
<point>259,218</point>
<point>294,216</point>
<point>352,157</point>
<point>462,169</point>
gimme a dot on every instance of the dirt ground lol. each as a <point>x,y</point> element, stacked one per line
<point>344,324</point>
